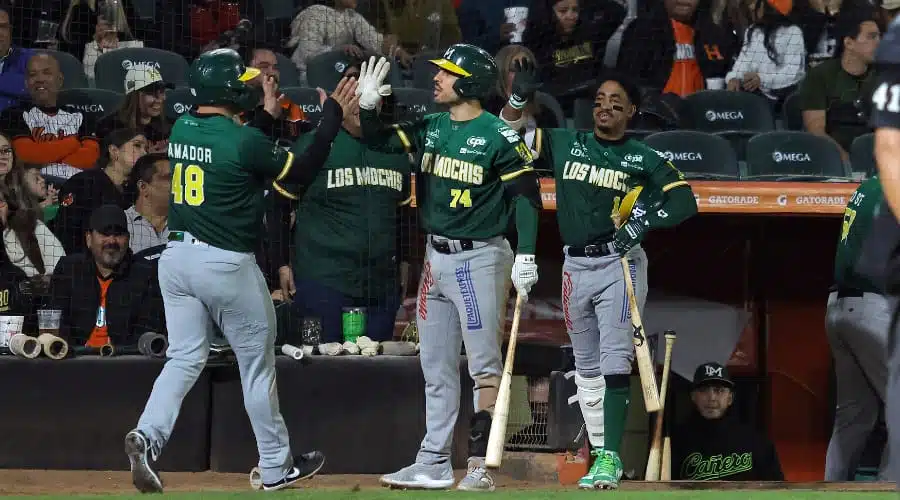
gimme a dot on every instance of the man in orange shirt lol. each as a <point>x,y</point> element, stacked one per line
<point>106,296</point>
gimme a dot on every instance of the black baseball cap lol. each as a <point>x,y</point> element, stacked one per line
<point>712,374</point>
<point>108,219</point>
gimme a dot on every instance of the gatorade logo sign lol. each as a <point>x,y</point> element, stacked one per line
<point>712,115</point>
<point>682,156</point>
<point>733,200</point>
<point>779,156</point>
<point>822,200</point>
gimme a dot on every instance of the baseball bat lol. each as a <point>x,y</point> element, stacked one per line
<point>641,349</point>
<point>654,461</point>
<point>497,436</point>
<point>666,472</point>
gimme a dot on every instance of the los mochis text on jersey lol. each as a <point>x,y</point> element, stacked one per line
<point>451,168</point>
<point>600,177</point>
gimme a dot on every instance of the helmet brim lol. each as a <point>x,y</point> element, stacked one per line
<point>249,74</point>
<point>450,67</point>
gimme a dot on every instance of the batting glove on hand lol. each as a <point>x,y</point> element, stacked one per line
<point>371,82</point>
<point>525,83</point>
<point>630,234</point>
<point>524,275</point>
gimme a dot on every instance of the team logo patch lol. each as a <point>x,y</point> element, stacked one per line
<point>68,200</point>
<point>470,301</point>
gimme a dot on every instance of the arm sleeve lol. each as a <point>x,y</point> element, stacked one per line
<point>678,202</point>
<point>264,122</point>
<point>404,137</point>
<point>516,169</point>
<point>886,98</point>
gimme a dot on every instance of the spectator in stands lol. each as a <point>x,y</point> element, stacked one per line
<point>110,33</point>
<point>712,445</point>
<point>104,185</point>
<point>292,122</point>
<point>14,62</point>
<point>36,194</point>
<point>772,61</point>
<point>106,296</point>
<point>43,133</point>
<point>151,182</point>
<point>569,50</point>
<point>817,19</point>
<point>191,27</point>
<point>7,156</point>
<point>679,48</point>
<point>320,28</point>
<point>15,296</point>
<point>79,25</point>
<point>833,93</point>
<point>486,23</point>
<point>428,25</point>
<point>888,11</point>
<point>30,245</point>
<point>143,108</point>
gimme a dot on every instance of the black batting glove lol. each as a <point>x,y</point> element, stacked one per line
<point>630,234</point>
<point>525,83</point>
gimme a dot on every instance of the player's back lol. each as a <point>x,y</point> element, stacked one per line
<point>214,196</point>
<point>857,222</point>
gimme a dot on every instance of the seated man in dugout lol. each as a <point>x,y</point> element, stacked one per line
<point>713,444</point>
<point>105,295</point>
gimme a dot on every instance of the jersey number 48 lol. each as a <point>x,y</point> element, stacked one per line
<point>187,184</point>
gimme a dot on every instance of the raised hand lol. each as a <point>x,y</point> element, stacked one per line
<point>272,97</point>
<point>525,83</point>
<point>371,79</point>
<point>345,94</point>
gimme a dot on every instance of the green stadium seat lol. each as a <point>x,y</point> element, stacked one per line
<point>95,103</point>
<point>287,70</point>
<point>72,70</point>
<point>178,102</point>
<point>862,154</point>
<point>325,69</point>
<point>697,154</point>
<point>789,155</point>
<point>791,114</point>
<point>722,110</point>
<point>110,69</point>
<point>308,99</point>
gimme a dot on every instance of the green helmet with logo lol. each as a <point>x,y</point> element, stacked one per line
<point>475,68</point>
<point>219,78</point>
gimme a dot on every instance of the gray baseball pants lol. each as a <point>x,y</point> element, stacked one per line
<point>202,284</point>
<point>462,299</point>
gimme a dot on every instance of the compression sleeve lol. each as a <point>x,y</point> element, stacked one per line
<point>526,225</point>
<point>679,205</point>
<point>404,137</point>
<point>311,161</point>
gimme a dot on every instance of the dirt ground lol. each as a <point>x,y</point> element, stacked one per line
<point>36,482</point>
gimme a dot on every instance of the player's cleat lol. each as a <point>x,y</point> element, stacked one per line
<point>138,448</point>
<point>421,477</point>
<point>605,472</point>
<point>477,477</point>
<point>305,467</point>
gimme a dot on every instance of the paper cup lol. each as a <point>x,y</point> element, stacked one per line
<point>9,326</point>
<point>517,16</point>
<point>48,320</point>
<point>715,83</point>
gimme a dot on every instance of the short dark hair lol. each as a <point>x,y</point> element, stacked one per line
<point>632,90</point>
<point>247,50</point>
<point>848,24</point>
<point>143,170</point>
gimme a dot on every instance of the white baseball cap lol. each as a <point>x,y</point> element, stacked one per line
<point>142,76</point>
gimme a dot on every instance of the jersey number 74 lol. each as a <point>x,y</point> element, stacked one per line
<point>187,184</point>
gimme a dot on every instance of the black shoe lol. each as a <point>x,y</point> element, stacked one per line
<point>305,467</point>
<point>137,446</point>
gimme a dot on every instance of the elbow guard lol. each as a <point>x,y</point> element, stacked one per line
<point>526,185</point>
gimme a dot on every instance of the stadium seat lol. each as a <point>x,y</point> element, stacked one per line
<point>178,102</point>
<point>862,154</point>
<point>697,154</point>
<point>308,99</point>
<point>96,103</point>
<point>548,103</point>
<point>793,155</point>
<point>111,67</point>
<point>325,69</point>
<point>72,70</point>
<point>413,103</point>
<point>722,110</point>
<point>288,74</point>
<point>791,114</point>
<point>423,71</point>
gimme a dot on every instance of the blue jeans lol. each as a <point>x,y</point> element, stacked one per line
<point>314,299</point>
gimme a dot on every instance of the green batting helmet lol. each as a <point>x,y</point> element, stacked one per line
<point>475,68</point>
<point>219,78</point>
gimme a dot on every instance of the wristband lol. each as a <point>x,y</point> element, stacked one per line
<point>517,102</point>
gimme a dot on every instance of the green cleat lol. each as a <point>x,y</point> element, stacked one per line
<point>605,472</point>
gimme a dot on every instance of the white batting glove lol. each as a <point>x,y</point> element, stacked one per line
<point>371,82</point>
<point>524,274</point>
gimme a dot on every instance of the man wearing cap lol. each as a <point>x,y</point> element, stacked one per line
<point>44,134</point>
<point>106,296</point>
<point>143,108</point>
<point>713,445</point>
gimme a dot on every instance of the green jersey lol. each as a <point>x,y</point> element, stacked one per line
<point>592,176</point>
<point>461,173</point>
<point>858,218</point>
<point>347,220</point>
<point>219,172</point>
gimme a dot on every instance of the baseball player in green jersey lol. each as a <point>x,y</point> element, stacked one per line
<point>346,236</point>
<point>594,172</point>
<point>857,322</point>
<point>208,273</point>
<point>474,174</point>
